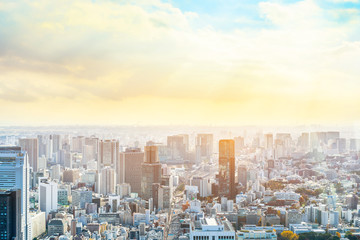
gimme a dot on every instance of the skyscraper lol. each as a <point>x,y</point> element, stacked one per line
<point>56,143</point>
<point>269,141</point>
<point>108,153</point>
<point>227,168</point>
<point>10,217</point>
<point>178,146</point>
<point>242,175</point>
<point>130,168</point>
<point>204,147</point>
<point>14,174</point>
<point>150,171</point>
<point>30,145</point>
<point>239,144</point>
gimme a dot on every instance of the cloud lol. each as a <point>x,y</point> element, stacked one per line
<point>118,53</point>
<point>346,1</point>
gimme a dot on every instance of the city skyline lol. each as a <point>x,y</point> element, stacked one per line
<point>179,62</point>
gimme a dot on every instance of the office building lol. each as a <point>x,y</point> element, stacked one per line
<point>178,146</point>
<point>56,226</point>
<point>10,214</point>
<point>107,181</point>
<point>227,168</point>
<point>130,168</point>
<point>80,197</point>
<point>212,229</point>
<point>204,147</point>
<point>268,141</point>
<point>30,145</point>
<point>239,144</point>
<point>48,195</point>
<point>150,171</point>
<point>14,174</point>
<point>109,154</point>
<point>242,176</point>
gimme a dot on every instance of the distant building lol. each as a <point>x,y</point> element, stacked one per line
<point>204,147</point>
<point>63,196</point>
<point>109,154</point>
<point>30,145</point>
<point>130,168</point>
<point>239,144</point>
<point>178,146</point>
<point>150,171</point>
<point>242,175</point>
<point>71,175</point>
<point>80,197</point>
<point>107,181</point>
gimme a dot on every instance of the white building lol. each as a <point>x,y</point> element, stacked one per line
<point>80,197</point>
<point>211,229</point>
<point>107,181</point>
<point>287,196</point>
<point>38,224</point>
<point>334,218</point>
<point>256,234</point>
<point>48,195</point>
<point>324,218</point>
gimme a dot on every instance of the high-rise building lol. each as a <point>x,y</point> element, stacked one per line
<point>90,150</point>
<point>178,146</point>
<point>242,175</point>
<point>109,154</point>
<point>269,141</point>
<point>204,147</point>
<point>227,168</point>
<point>239,144</point>
<point>150,171</point>
<point>42,145</point>
<point>130,168</point>
<point>56,143</point>
<point>107,181</point>
<point>14,174</point>
<point>10,215</point>
<point>77,144</point>
<point>30,145</point>
<point>304,141</point>
<point>48,195</point>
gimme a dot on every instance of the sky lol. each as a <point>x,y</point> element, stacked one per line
<point>197,62</point>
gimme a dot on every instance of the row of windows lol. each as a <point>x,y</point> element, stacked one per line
<point>213,238</point>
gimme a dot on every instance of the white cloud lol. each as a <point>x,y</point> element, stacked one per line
<point>106,50</point>
<point>345,1</point>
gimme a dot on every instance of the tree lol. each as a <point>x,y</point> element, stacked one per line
<point>289,235</point>
<point>350,236</point>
